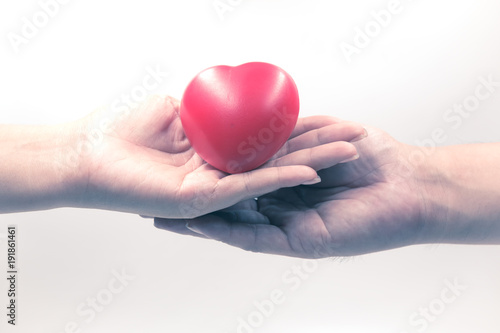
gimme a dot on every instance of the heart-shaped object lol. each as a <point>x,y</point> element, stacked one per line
<point>237,118</point>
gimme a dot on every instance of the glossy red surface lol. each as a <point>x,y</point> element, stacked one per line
<point>236,118</point>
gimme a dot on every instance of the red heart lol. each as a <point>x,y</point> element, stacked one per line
<point>237,118</point>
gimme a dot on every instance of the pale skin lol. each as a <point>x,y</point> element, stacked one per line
<point>394,195</point>
<point>316,198</point>
<point>139,161</point>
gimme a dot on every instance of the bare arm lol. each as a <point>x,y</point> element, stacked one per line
<point>394,195</point>
<point>143,163</point>
<point>33,174</point>
<point>462,186</point>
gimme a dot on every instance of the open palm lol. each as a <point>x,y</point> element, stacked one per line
<point>366,205</point>
<point>146,165</point>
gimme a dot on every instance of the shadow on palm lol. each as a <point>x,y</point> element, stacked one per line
<point>366,205</point>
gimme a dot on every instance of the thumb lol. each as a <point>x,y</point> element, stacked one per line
<point>238,187</point>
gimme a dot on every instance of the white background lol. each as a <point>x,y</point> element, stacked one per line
<point>428,58</point>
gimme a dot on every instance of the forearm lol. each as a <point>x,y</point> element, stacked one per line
<point>462,186</point>
<point>34,174</point>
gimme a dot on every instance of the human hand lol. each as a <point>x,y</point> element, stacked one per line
<point>145,164</point>
<point>366,205</point>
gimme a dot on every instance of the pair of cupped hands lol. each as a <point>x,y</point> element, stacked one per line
<point>334,189</point>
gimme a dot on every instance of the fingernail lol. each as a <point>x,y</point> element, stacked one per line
<point>355,157</point>
<point>312,181</point>
<point>194,229</point>
<point>362,136</point>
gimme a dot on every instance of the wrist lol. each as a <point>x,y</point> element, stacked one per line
<point>33,170</point>
<point>432,182</point>
<point>460,195</point>
<point>71,156</point>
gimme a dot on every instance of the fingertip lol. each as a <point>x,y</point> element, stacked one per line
<point>160,223</point>
<point>167,224</point>
<point>303,173</point>
<point>313,181</point>
<point>195,228</point>
<point>173,101</point>
<point>177,226</point>
<point>208,227</point>
<point>347,152</point>
<point>346,149</point>
<point>361,136</point>
<point>349,159</point>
